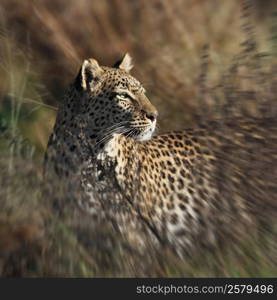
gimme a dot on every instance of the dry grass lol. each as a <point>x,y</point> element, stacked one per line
<point>165,39</point>
<point>42,46</point>
<point>38,238</point>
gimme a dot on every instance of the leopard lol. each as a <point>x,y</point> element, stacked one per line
<point>189,189</point>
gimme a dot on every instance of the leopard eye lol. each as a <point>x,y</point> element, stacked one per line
<point>123,95</point>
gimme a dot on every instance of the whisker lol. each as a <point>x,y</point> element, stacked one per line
<point>117,125</point>
<point>119,130</point>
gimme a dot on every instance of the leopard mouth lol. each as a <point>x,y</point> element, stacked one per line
<point>141,133</point>
<point>132,132</point>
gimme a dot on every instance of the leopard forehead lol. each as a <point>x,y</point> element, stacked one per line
<point>116,80</point>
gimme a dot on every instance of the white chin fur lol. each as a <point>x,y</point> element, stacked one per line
<point>147,134</point>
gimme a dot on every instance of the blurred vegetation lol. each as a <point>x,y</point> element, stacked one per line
<point>43,43</point>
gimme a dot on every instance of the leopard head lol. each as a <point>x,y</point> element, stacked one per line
<point>114,101</point>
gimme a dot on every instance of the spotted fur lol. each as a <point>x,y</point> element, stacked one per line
<point>189,188</point>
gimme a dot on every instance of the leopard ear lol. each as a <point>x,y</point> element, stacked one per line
<point>125,63</point>
<point>89,74</point>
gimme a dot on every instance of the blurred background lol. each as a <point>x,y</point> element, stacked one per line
<point>43,43</point>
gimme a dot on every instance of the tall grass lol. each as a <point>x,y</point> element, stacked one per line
<point>164,38</point>
<point>42,46</point>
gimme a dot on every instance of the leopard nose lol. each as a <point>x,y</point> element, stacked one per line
<point>152,116</point>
